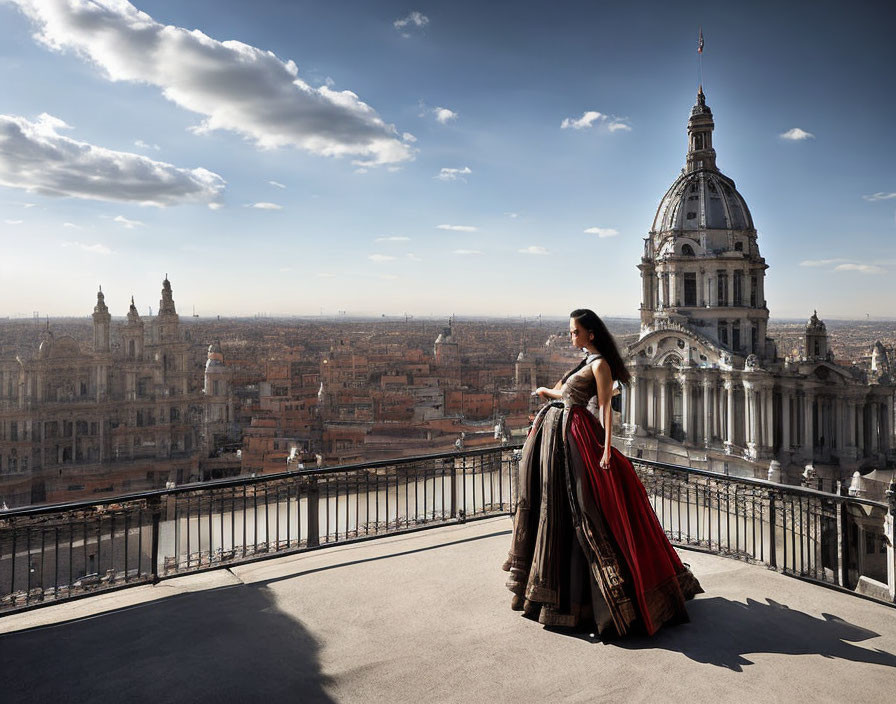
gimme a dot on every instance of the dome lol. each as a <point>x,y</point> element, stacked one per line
<point>702,200</point>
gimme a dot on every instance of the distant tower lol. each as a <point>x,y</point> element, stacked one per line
<point>880,361</point>
<point>525,372</point>
<point>215,372</point>
<point>167,320</point>
<point>816,338</point>
<point>132,334</point>
<point>101,323</point>
<point>445,349</point>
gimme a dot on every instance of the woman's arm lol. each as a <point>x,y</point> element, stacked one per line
<point>546,393</point>
<point>604,379</point>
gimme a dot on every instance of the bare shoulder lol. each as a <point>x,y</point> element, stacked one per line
<point>601,369</point>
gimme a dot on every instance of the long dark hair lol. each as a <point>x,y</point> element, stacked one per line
<point>604,343</point>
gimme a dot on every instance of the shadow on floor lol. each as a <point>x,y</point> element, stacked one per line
<point>722,632</point>
<point>224,645</point>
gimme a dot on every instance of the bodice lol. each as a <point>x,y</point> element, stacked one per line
<point>579,388</point>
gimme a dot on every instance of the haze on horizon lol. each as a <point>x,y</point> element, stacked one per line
<point>499,160</point>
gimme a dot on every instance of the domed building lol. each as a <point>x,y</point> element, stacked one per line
<point>708,388</point>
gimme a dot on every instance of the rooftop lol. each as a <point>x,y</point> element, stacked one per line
<point>425,617</point>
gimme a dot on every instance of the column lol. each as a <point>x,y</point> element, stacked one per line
<point>701,288</point>
<point>645,290</point>
<point>650,423</point>
<point>673,288</point>
<point>711,292</point>
<point>753,396</point>
<point>808,440</point>
<point>74,441</point>
<point>746,289</point>
<point>874,426</point>
<point>664,408</point>
<point>686,409</point>
<point>851,423</point>
<point>860,428</point>
<point>769,411</point>
<point>707,406</point>
<point>633,404</point>
<point>886,414</point>
<point>785,420</point>
<point>729,391</point>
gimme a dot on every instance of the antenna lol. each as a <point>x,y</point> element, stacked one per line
<point>700,58</point>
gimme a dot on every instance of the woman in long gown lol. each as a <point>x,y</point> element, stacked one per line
<point>587,545</point>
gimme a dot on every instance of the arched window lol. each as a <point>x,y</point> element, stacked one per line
<point>687,250</point>
<point>131,349</point>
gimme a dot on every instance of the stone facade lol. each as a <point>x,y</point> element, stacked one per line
<point>708,387</point>
<point>77,423</point>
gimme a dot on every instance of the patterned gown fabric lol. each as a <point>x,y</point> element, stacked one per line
<point>587,544</point>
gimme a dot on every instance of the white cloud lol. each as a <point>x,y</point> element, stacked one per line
<point>265,206</point>
<point>533,249</point>
<point>602,231</point>
<point>392,239</point>
<point>457,228</point>
<point>92,248</point>
<point>512,216</point>
<point>863,268</point>
<point>796,134</point>
<point>13,222</point>
<point>34,156</point>
<point>414,19</point>
<point>467,251</point>
<point>143,145</point>
<point>446,174</point>
<point>880,196</point>
<point>276,184</point>
<point>129,224</point>
<point>232,85</point>
<point>413,257</point>
<point>586,120</point>
<point>444,115</point>
<point>408,137</point>
<point>215,206</point>
<point>380,258</point>
<point>821,262</point>
<point>72,226</point>
<point>591,117</point>
<point>360,170</point>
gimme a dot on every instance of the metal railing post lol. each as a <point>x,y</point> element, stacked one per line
<point>313,518</point>
<point>772,521</point>
<point>454,488</point>
<point>155,504</point>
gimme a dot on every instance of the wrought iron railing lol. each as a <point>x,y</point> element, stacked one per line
<point>823,537</point>
<point>53,553</point>
<point>63,551</point>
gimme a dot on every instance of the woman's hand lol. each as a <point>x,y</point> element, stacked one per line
<point>542,392</point>
<point>605,458</point>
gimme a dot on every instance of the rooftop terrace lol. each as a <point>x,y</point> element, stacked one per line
<point>425,617</point>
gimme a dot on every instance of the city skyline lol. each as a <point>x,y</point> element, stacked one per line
<point>481,154</point>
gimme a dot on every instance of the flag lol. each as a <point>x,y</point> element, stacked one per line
<point>700,42</point>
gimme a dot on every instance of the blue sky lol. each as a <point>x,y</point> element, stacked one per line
<point>420,165</point>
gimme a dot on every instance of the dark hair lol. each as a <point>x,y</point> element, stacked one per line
<point>604,343</point>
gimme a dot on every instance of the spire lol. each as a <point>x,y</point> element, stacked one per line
<point>100,307</point>
<point>701,155</point>
<point>166,304</point>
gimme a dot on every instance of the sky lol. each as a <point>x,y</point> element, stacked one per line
<point>289,157</point>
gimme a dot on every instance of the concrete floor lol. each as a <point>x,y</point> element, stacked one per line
<point>425,618</point>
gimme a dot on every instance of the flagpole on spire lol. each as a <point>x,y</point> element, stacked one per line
<point>700,59</point>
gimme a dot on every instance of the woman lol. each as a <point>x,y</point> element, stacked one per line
<point>586,542</point>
